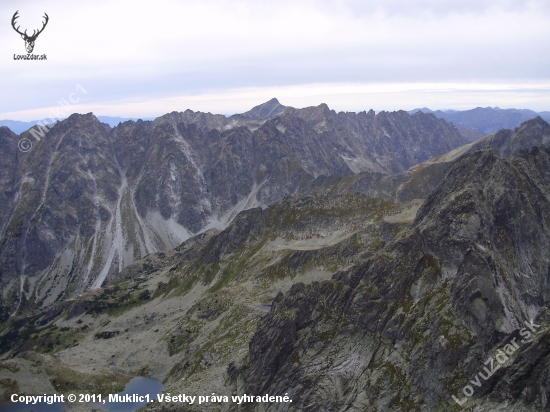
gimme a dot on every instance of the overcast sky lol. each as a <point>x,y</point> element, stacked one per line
<point>144,59</point>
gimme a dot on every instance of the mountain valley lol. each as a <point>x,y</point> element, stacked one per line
<point>355,262</point>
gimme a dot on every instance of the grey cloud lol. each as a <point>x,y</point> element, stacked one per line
<point>437,7</point>
<point>348,42</point>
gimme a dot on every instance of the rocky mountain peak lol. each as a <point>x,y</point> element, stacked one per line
<point>538,124</point>
<point>81,119</point>
<point>265,110</point>
<point>533,132</point>
<point>6,130</point>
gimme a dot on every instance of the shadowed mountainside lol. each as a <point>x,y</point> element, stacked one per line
<point>87,200</point>
<point>369,307</point>
<point>429,309</point>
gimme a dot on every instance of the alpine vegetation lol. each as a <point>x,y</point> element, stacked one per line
<point>281,259</point>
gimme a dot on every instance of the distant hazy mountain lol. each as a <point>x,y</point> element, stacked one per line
<point>114,121</point>
<point>485,120</point>
<point>470,134</point>
<point>19,127</point>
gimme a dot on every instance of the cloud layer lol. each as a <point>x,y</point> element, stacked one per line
<point>148,58</point>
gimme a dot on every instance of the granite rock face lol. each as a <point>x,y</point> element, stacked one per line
<point>412,326</point>
<point>7,171</point>
<point>420,180</point>
<point>64,192</point>
<point>535,132</point>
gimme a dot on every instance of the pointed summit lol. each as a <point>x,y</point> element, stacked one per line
<point>265,110</point>
<point>533,132</point>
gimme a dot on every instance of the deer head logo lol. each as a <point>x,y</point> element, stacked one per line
<point>29,40</point>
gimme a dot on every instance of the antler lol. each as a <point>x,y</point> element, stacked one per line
<point>15,17</point>
<point>43,27</point>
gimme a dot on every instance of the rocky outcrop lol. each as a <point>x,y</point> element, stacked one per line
<point>535,132</point>
<point>412,326</point>
<point>190,311</point>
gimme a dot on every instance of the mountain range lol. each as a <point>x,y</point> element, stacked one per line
<point>481,121</point>
<point>354,261</point>
<point>472,123</point>
<point>88,199</point>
